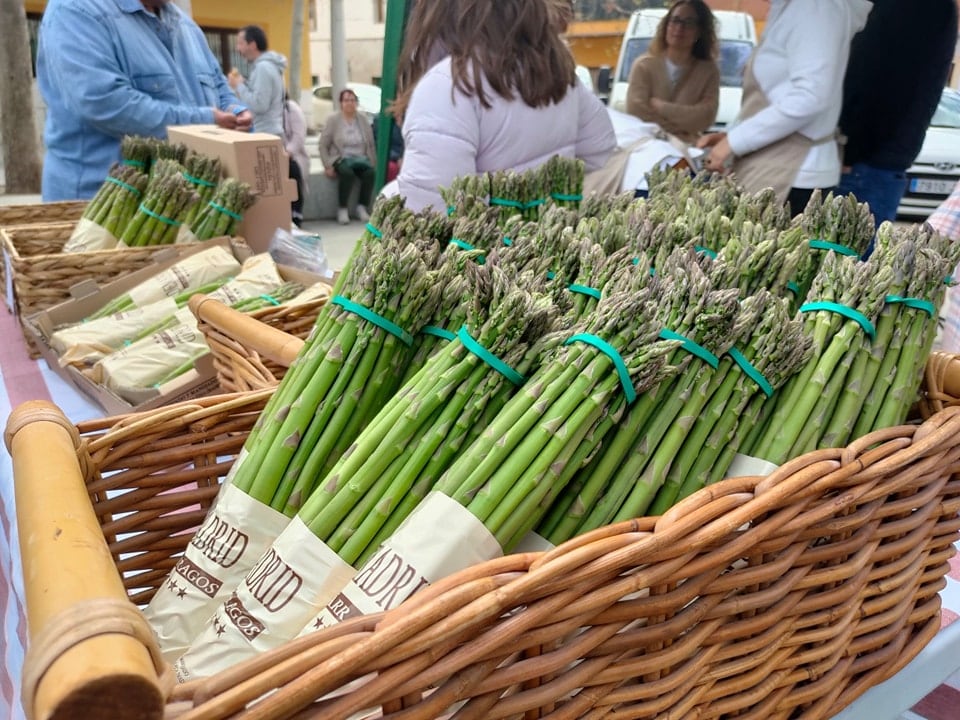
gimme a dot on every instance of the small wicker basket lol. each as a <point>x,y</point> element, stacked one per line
<point>779,597</point>
<point>941,383</point>
<point>253,351</point>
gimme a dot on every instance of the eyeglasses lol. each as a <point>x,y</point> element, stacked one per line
<point>686,24</point>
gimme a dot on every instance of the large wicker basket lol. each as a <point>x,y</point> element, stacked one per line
<point>779,597</point>
<point>42,274</point>
<point>253,351</point>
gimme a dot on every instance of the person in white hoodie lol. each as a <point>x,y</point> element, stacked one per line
<point>786,134</point>
<point>487,85</point>
<point>262,92</point>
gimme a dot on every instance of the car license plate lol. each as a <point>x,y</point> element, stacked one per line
<point>932,187</point>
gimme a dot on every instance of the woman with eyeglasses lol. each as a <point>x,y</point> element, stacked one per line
<point>677,83</point>
<point>487,85</point>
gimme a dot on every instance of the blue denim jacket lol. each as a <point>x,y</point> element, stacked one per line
<point>109,68</point>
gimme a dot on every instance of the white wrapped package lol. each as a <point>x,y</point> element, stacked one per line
<point>84,343</point>
<point>439,538</point>
<point>294,579</point>
<point>207,266</point>
<point>258,276</point>
<point>88,236</point>
<point>748,466</point>
<point>235,534</point>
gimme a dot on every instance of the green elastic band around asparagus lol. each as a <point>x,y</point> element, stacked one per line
<point>451,209</point>
<point>948,280</point>
<point>467,246</point>
<point>370,316</point>
<point>611,352</point>
<point>836,247</point>
<point>199,181</point>
<point>551,274</point>
<point>488,357</point>
<point>270,299</point>
<point>167,221</point>
<point>585,290</point>
<point>751,372</point>
<point>793,287</point>
<point>125,186</point>
<point>859,318</point>
<point>566,198</point>
<point>712,254</point>
<point>516,203</point>
<point>691,347</point>
<point>507,241</point>
<point>228,213</point>
<point>135,163</point>
<point>374,231</point>
<point>916,303</point>
<point>439,332</point>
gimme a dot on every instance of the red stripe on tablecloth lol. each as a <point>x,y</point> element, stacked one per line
<point>22,377</point>
<point>941,704</point>
<point>947,617</point>
<point>6,682</point>
<point>955,567</point>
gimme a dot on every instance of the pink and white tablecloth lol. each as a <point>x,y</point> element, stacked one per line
<point>22,379</point>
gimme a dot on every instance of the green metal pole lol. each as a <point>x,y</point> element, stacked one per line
<point>392,44</point>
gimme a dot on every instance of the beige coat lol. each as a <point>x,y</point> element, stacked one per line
<point>331,139</point>
<point>691,106</point>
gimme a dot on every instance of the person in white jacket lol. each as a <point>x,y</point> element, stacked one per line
<point>786,134</point>
<point>503,95</point>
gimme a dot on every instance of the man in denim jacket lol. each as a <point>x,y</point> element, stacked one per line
<point>109,68</point>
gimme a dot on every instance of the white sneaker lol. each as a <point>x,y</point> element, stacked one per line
<point>343,217</point>
<point>362,214</point>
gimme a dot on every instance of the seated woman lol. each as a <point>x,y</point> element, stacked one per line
<point>349,154</point>
<point>677,83</point>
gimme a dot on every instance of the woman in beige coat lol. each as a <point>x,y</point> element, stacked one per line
<point>349,154</point>
<point>677,83</point>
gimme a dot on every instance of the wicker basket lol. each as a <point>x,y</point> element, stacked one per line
<point>253,351</point>
<point>778,597</point>
<point>941,384</point>
<point>38,213</point>
<point>42,274</point>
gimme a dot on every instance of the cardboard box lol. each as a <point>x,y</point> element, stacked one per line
<point>257,159</point>
<point>89,297</point>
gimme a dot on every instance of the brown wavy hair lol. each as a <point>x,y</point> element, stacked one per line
<point>509,47</point>
<point>706,47</point>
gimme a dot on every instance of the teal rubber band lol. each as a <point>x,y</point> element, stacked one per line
<point>161,218</point>
<point>198,181</point>
<point>374,231</point>
<point>439,332</point>
<point>836,247</point>
<point>691,347</point>
<point>507,241</point>
<point>751,372</point>
<point>506,203</point>
<point>125,186</point>
<point>228,213</point>
<point>916,303</point>
<point>948,280</point>
<point>451,209</point>
<point>269,299</point>
<point>551,274</point>
<point>532,204</point>
<point>712,254</point>
<point>611,352</point>
<point>793,287</point>
<point>585,290</point>
<point>859,318</point>
<point>467,246</point>
<point>135,163</point>
<point>566,198</point>
<point>488,357</point>
<point>370,316</point>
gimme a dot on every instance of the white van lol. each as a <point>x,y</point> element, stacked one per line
<point>737,34</point>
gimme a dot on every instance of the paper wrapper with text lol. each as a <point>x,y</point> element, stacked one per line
<point>439,538</point>
<point>231,540</point>
<point>294,578</point>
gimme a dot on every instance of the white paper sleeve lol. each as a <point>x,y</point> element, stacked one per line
<point>438,539</point>
<point>231,540</point>
<point>294,578</point>
<point>206,266</point>
<point>88,236</point>
<point>531,542</point>
<point>746,465</point>
<point>258,276</point>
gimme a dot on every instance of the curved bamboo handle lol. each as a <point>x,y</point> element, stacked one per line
<point>88,653</point>
<point>266,341</point>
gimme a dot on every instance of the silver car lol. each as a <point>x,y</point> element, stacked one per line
<point>936,170</point>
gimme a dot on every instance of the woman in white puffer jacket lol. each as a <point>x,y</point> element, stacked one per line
<point>504,95</point>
